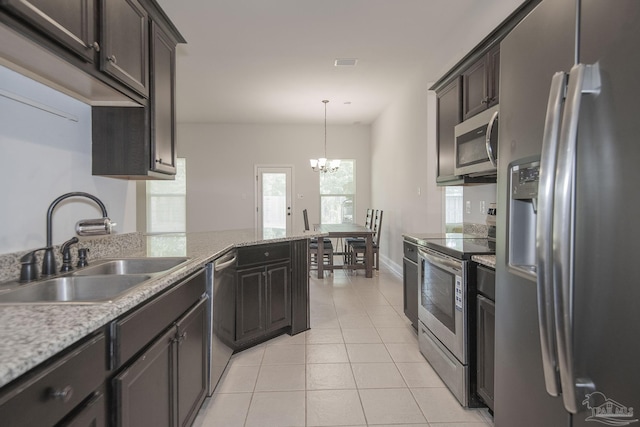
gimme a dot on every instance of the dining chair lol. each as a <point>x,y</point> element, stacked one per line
<point>368,221</point>
<point>358,249</point>
<point>313,248</point>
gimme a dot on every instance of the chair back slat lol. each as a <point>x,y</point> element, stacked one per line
<point>369,218</point>
<point>377,228</point>
<point>306,219</point>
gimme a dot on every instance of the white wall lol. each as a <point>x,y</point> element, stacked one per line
<point>404,160</point>
<point>44,156</point>
<point>221,160</point>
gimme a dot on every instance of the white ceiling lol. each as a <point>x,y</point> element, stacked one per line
<point>272,61</point>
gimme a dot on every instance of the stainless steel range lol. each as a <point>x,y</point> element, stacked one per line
<point>446,310</point>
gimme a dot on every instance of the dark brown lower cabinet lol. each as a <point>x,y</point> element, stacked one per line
<point>263,300</point>
<point>165,385</point>
<point>192,363</point>
<point>59,391</point>
<point>91,414</point>
<point>144,391</point>
<point>485,349</point>
<point>410,282</point>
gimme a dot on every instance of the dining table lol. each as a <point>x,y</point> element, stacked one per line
<point>336,231</point>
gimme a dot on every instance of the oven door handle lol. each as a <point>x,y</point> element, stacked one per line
<point>451,266</point>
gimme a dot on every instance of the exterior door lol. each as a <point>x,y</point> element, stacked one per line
<point>273,201</point>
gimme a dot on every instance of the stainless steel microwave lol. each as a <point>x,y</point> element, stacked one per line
<point>476,144</point>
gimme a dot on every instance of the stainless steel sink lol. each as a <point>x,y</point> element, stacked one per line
<point>103,281</point>
<point>73,289</point>
<point>131,266</point>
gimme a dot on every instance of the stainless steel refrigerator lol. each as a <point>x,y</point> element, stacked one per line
<point>568,252</point>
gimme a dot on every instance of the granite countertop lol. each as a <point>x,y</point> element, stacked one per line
<point>30,333</point>
<point>488,260</point>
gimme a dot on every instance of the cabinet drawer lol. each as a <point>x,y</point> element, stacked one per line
<point>45,396</point>
<point>262,254</point>
<point>410,251</point>
<point>133,332</point>
<point>486,279</point>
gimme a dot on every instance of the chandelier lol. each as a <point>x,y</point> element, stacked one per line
<point>322,164</point>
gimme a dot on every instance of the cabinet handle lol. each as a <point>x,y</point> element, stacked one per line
<point>95,46</point>
<point>112,59</point>
<point>178,339</point>
<point>62,394</point>
<point>266,254</point>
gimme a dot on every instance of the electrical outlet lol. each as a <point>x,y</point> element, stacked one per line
<point>468,206</point>
<point>419,191</point>
<point>483,208</point>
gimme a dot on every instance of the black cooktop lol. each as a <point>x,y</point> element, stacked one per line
<point>461,246</point>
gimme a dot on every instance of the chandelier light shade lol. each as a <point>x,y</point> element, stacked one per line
<point>322,164</point>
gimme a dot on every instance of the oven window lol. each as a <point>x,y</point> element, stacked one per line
<point>438,294</point>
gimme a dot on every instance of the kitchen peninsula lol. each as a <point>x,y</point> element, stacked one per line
<point>33,333</point>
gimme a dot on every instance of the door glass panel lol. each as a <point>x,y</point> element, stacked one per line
<point>437,294</point>
<point>274,205</point>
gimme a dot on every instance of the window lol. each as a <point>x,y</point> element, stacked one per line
<point>338,194</point>
<point>453,205</point>
<point>167,213</point>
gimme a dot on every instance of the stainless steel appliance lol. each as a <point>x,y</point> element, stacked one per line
<point>476,146</point>
<point>446,311</point>
<point>567,322</point>
<point>220,315</point>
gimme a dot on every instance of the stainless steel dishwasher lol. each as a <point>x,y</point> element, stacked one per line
<point>221,314</point>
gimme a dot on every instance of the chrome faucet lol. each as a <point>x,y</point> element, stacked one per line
<point>49,260</point>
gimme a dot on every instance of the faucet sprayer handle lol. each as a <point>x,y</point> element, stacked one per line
<point>66,254</point>
<point>28,267</point>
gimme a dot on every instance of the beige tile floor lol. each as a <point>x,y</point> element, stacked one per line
<point>358,365</point>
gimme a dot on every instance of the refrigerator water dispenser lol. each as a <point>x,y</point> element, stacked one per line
<point>523,197</point>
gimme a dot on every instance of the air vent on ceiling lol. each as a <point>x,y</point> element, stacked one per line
<point>346,62</point>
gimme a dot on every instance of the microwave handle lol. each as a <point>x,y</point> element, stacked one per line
<point>492,157</point>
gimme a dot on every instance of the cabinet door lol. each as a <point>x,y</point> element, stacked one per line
<point>449,115</point>
<point>162,100</point>
<point>493,78</point>
<point>125,49</point>
<point>250,305</point>
<point>144,391</point>
<point>485,349</point>
<point>192,362</point>
<point>410,281</point>
<point>70,22</point>
<point>474,99</point>
<point>278,293</point>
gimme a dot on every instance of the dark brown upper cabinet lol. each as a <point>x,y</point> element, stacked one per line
<point>448,116</point>
<point>481,83</point>
<point>163,104</point>
<point>125,45</point>
<point>70,23</point>
<point>140,142</point>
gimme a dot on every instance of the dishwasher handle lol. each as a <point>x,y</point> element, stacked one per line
<point>219,266</point>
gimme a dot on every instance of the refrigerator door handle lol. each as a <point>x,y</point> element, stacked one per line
<point>490,154</point>
<point>583,79</point>
<point>544,221</point>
